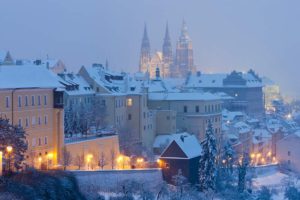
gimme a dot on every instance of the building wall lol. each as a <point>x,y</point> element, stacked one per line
<point>165,122</point>
<point>247,99</point>
<point>196,116</point>
<point>94,147</point>
<point>288,152</point>
<point>41,121</point>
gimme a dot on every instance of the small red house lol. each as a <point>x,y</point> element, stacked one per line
<point>181,154</point>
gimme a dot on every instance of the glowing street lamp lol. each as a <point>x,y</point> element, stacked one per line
<point>89,159</point>
<point>49,157</point>
<point>9,149</point>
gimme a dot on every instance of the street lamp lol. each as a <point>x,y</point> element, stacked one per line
<point>89,159</point>
<point>49,156</point>
<point>9,150</point>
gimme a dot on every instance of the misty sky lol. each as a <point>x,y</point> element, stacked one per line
<point>227,34</point>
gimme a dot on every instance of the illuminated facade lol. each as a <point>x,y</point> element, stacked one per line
<point>37,107</point>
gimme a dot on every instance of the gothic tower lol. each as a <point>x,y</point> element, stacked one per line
<point>184,62</point>
<point>167,53</point>
<point>145,56</point>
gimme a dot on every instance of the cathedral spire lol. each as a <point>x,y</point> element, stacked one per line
<point>145,36</point>
<point>145,55</point>
<point>184,32</point>
<point>167,35</point>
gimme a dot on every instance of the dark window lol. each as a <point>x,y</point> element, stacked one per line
<point>39,100</point>
<point>129,116</point>
<point>7,102</point>
<point>289,153</point>
<point>32,100</point>
<point>185,109</point>
<point>197,109</point>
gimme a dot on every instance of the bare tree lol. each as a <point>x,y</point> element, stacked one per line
<point>112,158</point>
<point>66,158</point>
<point>31,159</point>
<point>79,161</point>
<point>102,160</point>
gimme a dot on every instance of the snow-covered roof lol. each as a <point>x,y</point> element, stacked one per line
<point>183,96</point>
<point>231,115</point>
<point>75,84</point>
<point>242,127</point>
<point>164,140</point>
<point>189,145</point>
<point>216,80</point>
<point>112,81</point>
<point>27,76</point>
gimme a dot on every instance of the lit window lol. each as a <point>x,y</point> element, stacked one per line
<point>129,102</point>
<point>7,102</point>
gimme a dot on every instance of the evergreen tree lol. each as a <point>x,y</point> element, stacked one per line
<point>292,193</point>
<point>207,163</point>
<point>14,136</point>
<point>264,194</point>
<point>242,171</point>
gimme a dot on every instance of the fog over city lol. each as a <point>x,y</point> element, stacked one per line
<point>226,35</point>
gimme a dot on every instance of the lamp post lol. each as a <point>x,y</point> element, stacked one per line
<point>9,150</point>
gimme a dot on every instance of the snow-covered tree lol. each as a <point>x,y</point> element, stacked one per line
<point>102,162</point>
<point>79,161</point>
<point>112,158</point>
<point>292,193</point>
<point>68,121</point>
<point>224,177</point>
<point>264,194</point>
<point>207,163</point>
<point>99,112</point>
<point>242,171</point>
<point>14,136</point>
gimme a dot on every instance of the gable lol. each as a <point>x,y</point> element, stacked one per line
<point>173,150</point>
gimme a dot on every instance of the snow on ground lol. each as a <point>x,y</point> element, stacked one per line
<point>269,179</point>
<point>274,179</point>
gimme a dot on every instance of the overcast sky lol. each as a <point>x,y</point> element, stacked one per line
<point>226,34</point>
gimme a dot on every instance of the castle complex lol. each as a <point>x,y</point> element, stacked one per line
<point>169,66</point>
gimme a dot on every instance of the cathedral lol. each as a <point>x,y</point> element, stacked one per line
<point>169,66</point>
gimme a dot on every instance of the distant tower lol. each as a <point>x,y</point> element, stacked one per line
<point>145,56</point>
<point>167,53</point>
<point>184,62</point>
